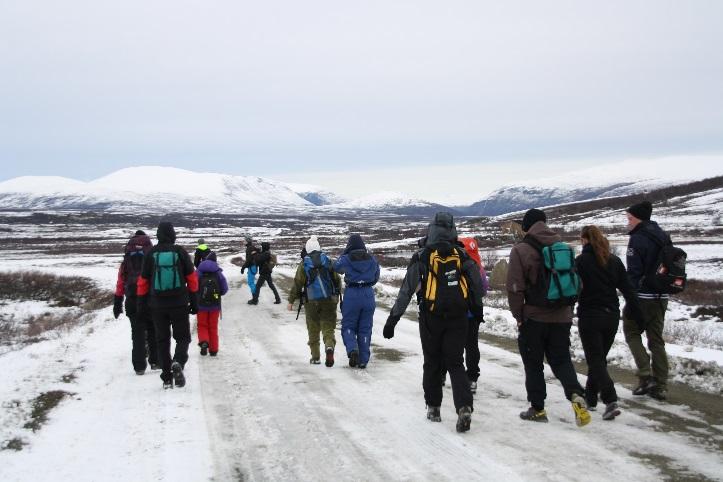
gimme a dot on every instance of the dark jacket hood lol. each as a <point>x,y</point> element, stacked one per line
<point>265,246</point>
<point>355,243</point>
<point>166,233</point>
<point>442,230</point>
<point>543,234</point>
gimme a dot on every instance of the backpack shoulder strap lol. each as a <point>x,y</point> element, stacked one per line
<point>532,242</point>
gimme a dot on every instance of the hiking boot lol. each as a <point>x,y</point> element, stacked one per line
<point>178,378</point>
<point>658,393</point>
<point>314,361</point>
<point>433,414</point>
<point>534,415</point>
<point>362,366</point>
<point>611,411</point>
<point>645,384</point>
<point>473,386</point>
<point>253,302</point>
<point>168,384</point>
<point>213,353</point>
<point>155,366</point>
<point>204,348</point>
<point>582,416</point>
<point>353,359</point>
<point>329,357</point>
<point>277,302</point>
<point>464,419</point>
<point>140,372</point>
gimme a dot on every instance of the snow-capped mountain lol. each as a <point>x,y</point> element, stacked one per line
<point>169,189</point>
<point>619,179</point>
<point>157,188</point>
<point>389,202</point>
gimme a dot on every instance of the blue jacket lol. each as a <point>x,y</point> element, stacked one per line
<point>644,246</point>
<point>358,267</point>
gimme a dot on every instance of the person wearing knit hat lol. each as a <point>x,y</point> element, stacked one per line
<point>531,217</point>
<point>317,287</point>
<point>312,245</point>
<point>642,210</point>
<point>202,250</point>
<point>544,329</point>
<point>646,241</point>
<point>361,273</point>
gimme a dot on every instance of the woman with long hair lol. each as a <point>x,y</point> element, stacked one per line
<point>598,312</point>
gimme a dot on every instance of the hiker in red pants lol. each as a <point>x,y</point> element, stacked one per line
<point>212,285</point>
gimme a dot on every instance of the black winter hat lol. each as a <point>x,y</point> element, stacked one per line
<point>531,217</point>
<point>265,246</point>
<point>643,210</point>
<point>165,232</point>
<point>140,232</point>
<point>355,242</point>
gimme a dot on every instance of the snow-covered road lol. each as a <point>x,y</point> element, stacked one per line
<point>259,411</point>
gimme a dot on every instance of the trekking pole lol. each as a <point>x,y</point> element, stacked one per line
<point>298,312</point>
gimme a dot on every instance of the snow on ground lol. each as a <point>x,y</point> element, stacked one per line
<point>259,411</point>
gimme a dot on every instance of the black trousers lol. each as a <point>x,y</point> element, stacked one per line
<point>537,341</point>
<point>265,278</point>
<point>142,331</point>
<point>471,350</point>
<point>175,319</point>
<point>597,333</point>
<point>443,340</point>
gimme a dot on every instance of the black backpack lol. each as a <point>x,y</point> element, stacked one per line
<point>445,289</point>
<point>135,250</point>
<point>210,290</point>
<point>669,277</point>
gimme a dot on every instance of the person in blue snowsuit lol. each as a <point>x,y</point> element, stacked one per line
<point>249,265</point>
<point>361,273</point>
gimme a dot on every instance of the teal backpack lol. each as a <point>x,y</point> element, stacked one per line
<point>167,276</point>
<point>558,283</point>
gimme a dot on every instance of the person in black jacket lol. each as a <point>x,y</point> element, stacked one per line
<point>443,322</point>
<point>264,260</point>
<point>168,288</point>
<point>598,311</point>
<point>646,241</point>
<point>202,250</point>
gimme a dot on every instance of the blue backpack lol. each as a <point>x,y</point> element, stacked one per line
<point>319,279</point>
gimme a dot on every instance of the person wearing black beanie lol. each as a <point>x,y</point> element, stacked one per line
<point>646,241</point>
<point>531,217</point>
<point>642,210</point>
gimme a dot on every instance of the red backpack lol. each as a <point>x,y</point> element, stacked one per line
<point>470,245</point>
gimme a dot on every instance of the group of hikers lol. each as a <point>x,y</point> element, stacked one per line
<point>447,278</point>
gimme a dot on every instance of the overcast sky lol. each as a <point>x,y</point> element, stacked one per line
<point>286,89</point>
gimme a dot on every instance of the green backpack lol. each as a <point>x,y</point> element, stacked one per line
<point>167,275</point>
<point>558,283</point>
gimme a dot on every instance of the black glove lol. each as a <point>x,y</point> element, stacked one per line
<point>388,331</point>
<point>243,269</point>
<point>192,304</point>
<point>634,313</point>
<point>142,305</point>
<point>117,306</point>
